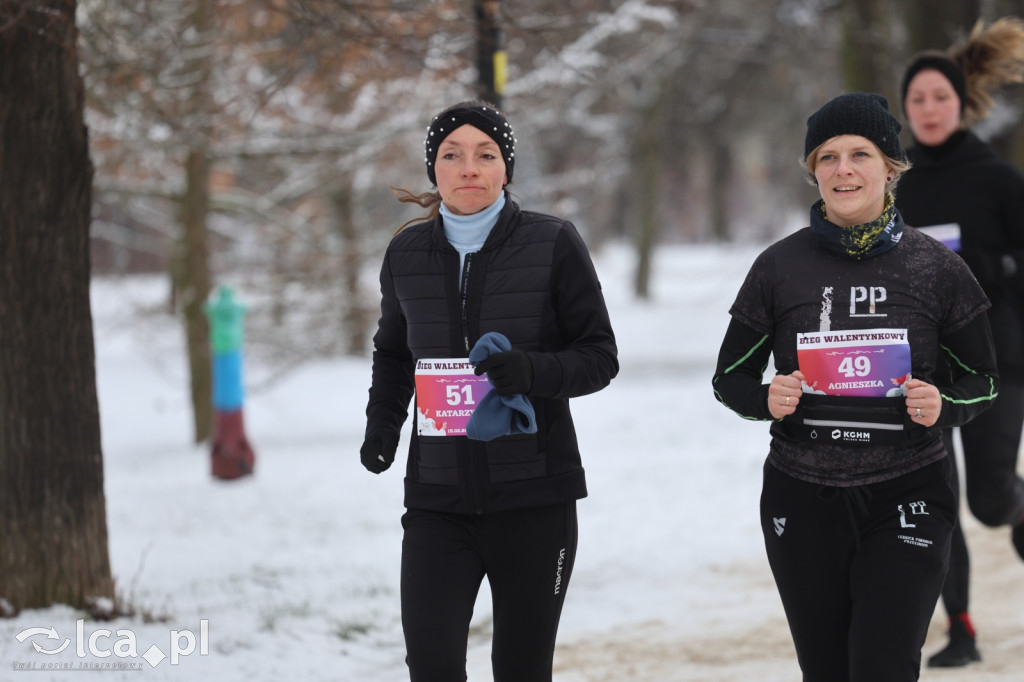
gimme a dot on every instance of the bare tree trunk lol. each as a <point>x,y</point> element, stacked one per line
<point>194,288</point>
<point>866,50</point>
<point>53,525</point>
<point>649,165</point>
<point>194,278</point>
<point>355,316</point>
<point>937,24</point>
<point>490,55</point>
<point>721,182</point>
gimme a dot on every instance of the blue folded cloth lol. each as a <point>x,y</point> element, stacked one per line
<point>497,415</point>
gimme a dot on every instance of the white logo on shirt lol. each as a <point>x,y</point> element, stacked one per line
<point>870,295</point>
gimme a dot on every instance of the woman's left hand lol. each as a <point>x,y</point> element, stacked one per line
<point>924,404</point>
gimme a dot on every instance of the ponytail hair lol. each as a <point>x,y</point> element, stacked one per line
<point>989,58</point>
<point>428,200</point>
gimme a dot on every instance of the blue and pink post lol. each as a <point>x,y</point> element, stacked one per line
<point>231,456</point>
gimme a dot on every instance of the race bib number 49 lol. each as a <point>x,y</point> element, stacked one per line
<point>447,392</point>
<point>863,362</point>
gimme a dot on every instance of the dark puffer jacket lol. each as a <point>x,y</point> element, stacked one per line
<point>532,281</point>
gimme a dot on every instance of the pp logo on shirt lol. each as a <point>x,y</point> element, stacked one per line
<point>870,295</point>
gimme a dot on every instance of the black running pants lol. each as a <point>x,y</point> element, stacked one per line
<point>859,570</point>
<point>995,491</point>
<point>527,556</point>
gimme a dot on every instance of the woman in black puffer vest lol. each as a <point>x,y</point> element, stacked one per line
<point>503,505</point>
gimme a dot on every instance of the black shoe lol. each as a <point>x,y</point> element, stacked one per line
<point>1018,538</point>
<point>960,651</point>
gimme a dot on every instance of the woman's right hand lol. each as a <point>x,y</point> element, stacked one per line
<point>378,450</point>
<point>784,394</point>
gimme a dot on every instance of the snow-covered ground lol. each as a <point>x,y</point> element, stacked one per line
<point>295,570</point>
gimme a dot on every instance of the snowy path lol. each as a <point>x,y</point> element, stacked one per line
<point>296,568</point>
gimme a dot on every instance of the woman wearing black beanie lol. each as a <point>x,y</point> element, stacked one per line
<point>857,506</point>
<point>965,195</point>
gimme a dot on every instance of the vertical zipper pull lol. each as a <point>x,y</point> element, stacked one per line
<point>464,290</point>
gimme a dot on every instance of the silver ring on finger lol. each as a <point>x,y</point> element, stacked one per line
<point>918,415</point>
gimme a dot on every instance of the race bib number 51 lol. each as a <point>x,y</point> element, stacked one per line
<point>862,362</point>
<point>447,392</point>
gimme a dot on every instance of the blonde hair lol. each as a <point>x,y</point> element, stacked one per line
<point>897,167</point>
<point>989,58</point>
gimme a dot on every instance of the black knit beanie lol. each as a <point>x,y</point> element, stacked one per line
<point>856,113</point>
<point>482,116</point>
<point>941,63</point>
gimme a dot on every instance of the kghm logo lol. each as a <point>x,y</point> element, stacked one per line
<point>852,436</point>
<point>96,645</point>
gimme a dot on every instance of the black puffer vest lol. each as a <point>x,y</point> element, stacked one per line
<point>532,281</point>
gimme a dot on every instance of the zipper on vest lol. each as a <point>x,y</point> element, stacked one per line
<point>464,321</point>
<point>464,315</point>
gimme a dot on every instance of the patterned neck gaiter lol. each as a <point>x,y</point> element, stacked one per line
<point>858,242</point>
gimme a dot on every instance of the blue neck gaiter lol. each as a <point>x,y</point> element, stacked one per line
<point>467,233</point>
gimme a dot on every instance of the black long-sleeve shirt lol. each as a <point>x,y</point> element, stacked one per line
<point>796,286</point>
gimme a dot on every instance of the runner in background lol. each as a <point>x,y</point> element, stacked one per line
<point>481,286</point>
<point>857,507</point>
<point>962,193</point>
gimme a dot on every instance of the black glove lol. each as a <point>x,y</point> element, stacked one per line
<point>510,372</point>
<point>378,451</point>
